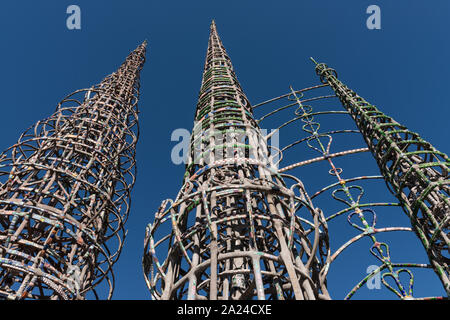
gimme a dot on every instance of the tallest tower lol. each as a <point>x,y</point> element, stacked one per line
<point>234,230</point>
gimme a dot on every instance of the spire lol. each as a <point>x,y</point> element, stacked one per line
<point>218,69</point>
<point>222,104</point>
<point>65,202</point>
<point>416,173</point>
<point>130,69</point>
<point>226,206</point>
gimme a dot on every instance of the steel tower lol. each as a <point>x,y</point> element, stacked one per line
<point>242,228</point>
<point>414,171</point>
<point>67,194</point>
<point>234,229</point>
<point>327,153</point>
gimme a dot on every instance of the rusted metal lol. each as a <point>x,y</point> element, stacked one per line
<point>414,171</point>
<point>242,228</point>
<point>67,192</point>
<point>345,193</point>
<point>234,230</point>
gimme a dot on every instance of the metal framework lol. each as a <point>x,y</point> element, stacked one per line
<point>235,233</point>
<point>415,172</point>
<point>330,141</point>
<point>243,228</point>
<point>67,194</point>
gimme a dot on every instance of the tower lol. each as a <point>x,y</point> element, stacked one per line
<point>66,198</point>
<point>414,171</point>
<point>234,230</point>
<point>242,228</point>
<point>340,153</point>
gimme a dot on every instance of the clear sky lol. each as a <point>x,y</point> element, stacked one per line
<point>402,68</point>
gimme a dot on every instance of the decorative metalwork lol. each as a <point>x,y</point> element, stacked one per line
<point>345,194</point>
<point>235,229</point>
<point>66,198</point>
<point>415,172</point>
<point>243,228</point>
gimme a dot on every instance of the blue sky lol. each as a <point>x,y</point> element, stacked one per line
<point>402,68</point>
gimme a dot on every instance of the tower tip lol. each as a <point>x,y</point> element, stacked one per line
<point>312,59</point>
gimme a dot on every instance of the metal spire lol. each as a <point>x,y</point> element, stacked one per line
<point>234,232</point>
<point>415,172</point>
<point>66,198</point>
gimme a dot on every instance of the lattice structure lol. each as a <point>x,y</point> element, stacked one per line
<point>242,228</point>
<point>327,143</point>
<point>415,172</point>
<point>66,198</point>
<point>235,232</point>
